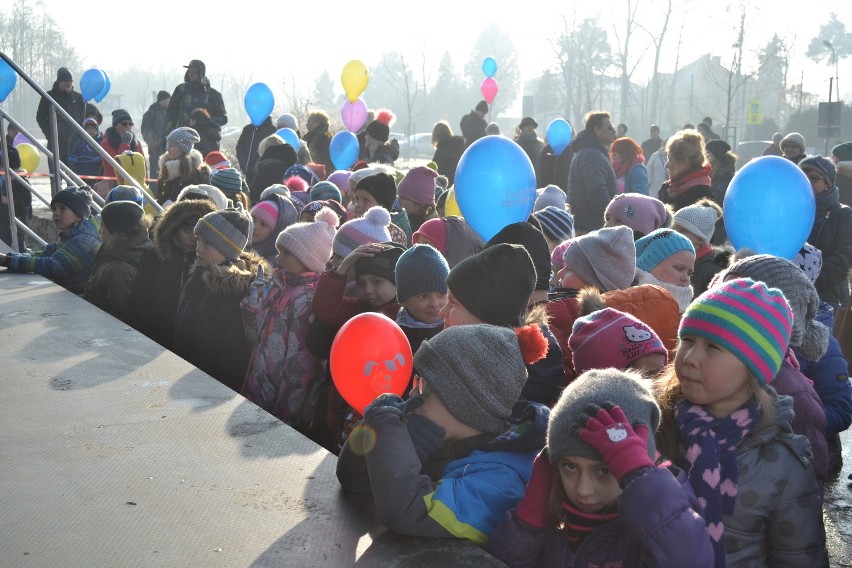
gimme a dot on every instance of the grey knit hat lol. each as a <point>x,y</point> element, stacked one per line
<point>605,258</point>
<point>228,231</point>
<point>700,220</point>
<point>626,389</point>
<point>822,166</point>
<point>477,371</point>
<point>550,196</point>
<point>77,199</point>
<point>184,138</point>
<point>794,138</point>
<point>809,337</point>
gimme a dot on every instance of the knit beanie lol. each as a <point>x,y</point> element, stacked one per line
<point>418,185</point>
<point>550,196</point>
<point>163,95</point>
<point>809,260</point>
<point>287,120</point>
<point>311,242</point>
<point>120,115</point>
<point>556,223</point>
<point>420,269</point>
<point>125,193</point>
<point>63,75</point>
<point>610,338</point>
<point>605,258</point>
<point>482,106</point>
<point>301,171</point>
<point>747,318</point>
<point>277,189</point>
<point>378,130</point>
<point>641,213</point>
<point>557,257</point>
<point>435,230</point>
<point>340,178</point>
<point>825,168</point>
<point>228,180</point>
<point>204,191</point>
<point>495,284</point>
<point>656,246</point>
<point>121,216</point>
<point>808,336</point>
<point>381,186</point>
<point>371,228</point>
<point>77,199</point>
<point>477,372</point>
<point>843,151</point>
<point>90,121</point>
<point>717,148</point>
<point>325,190</point>
<point>532,240</point>
<point>700,220</point>
<point>381,264</point>
<point>794,138</point>
<point>228,231</point>
<point>266,211</point>
<point>217,160</point>
<point>625,389</point>
<point>184,138</point>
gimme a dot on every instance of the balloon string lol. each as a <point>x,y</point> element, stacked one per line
<point>251,149</point>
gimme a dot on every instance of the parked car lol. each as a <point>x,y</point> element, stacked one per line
<point>750,149</point>
<point>417,146</point>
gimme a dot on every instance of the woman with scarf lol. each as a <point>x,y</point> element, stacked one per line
<point>629,165</point>
<point>689,172</point>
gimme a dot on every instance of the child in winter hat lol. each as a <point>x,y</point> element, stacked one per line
<point>417,194</point>
<point>376,189</point>
<point>181,165</point>
<point>284,377</point>
<point>641,213</point>
<point>697,223</point>
<point>556,224</point>
<point>223,235</point>
<point>325,190</point>
<point>371,228</point>
<point>230,181</point>
<point>596,481</point>
<point>270,217</point>
<point>204,191</point>
<point>605,259</point>
<point>666,258</point>
<point>183,138</point>
<point>459,429</point>
<point>550,196</point>
<point>421,289</point>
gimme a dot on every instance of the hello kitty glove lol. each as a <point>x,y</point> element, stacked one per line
<point>609,432</point>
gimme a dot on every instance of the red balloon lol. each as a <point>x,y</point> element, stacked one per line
<point>370,356</point>
<point>489,89</point>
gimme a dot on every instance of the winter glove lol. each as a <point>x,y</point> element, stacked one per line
<point>533,507</point>
<point>609,432</point>
<point>391,403</point>
<point>127,137</point>
<point>259,290</point>
<point>427,436</point>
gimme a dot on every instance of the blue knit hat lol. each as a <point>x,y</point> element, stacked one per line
<point>656,246</point>
<point>419,270</point>
<point>556,223</point>
<point>301,171</point>
<point>228,180</point>
<point>323,190</point>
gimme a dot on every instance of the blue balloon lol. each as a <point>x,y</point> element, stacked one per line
<point>8,79</point>
<point>259,102</point>
<point>489,66</point>
<point>559,135</point>
<point>769,207</point>
<point>107,84</point>
<point>92,83</point>
<point>495,185</point>
<point>289,136</point>
<point>343,150</point>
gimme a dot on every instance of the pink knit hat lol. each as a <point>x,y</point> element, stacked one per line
<point>610,338</point>
<point>435,230</point>
<point>267,212</point>
<point>418,185</point>
<point>557,257</point>
<point>311,242</point>
<point>639,212</point>
<point>340,178</point>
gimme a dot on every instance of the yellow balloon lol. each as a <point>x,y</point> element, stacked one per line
<point>451,207</point>
<point>29,156</point>
<point>354,78</point>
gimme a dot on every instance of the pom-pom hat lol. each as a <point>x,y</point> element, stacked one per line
<point>311,242</point>
<point>371,228</point>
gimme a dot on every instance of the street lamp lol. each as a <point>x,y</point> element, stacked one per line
<point>827,44</point>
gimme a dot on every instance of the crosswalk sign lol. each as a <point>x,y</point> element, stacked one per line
<point>754,114</point>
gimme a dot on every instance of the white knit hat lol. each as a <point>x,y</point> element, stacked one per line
<point>700,220</point>
<point>311,242</point>
<point>202,191</point>
<point>371,228</point>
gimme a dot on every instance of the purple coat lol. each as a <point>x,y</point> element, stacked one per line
<point>658,525</point>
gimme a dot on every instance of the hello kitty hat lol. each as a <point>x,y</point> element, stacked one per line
<point>610,338</point>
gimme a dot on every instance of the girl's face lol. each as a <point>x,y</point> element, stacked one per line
<point>711,376</point>
<point>649,365</point>
<point>588,483</point>
<point>375,290</point>
<point>454,313</point>
<point>610,221</point>
<point>426,307</point>
<point>568,279</point>
<point>186,239</point>
<point>363,201</point>
<point>64,217</point>
<point>288,262</point>
<point>207,254</point>
<point>677,167</point>
<point>262,230</point>
<point>174,152</point>
<point>676,269</point>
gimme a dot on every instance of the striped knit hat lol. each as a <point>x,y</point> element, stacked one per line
<point>228,231</point>
<point>228,180</point>
<point>556,223</point>
<point>747,318</point>
<point>371,228</point>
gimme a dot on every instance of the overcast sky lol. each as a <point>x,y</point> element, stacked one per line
<point>266,41</point>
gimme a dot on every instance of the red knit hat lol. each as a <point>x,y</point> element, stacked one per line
<point>435,231</point>
<point>217,160</point>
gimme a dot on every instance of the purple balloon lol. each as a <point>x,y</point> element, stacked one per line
<point>20,139</point>
<point>354,114</point>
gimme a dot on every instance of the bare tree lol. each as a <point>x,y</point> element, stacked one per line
<point>395,73</point>
<point>583,54</point>
<point>626,66</point>
<point>657,38</point>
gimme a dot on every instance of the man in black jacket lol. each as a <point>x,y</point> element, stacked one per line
<point>71,101</point>
<point>473,124</point>
<point>153,131</point>
<point>591,179</point>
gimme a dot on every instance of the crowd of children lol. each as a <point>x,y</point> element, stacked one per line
<point>631,396</point>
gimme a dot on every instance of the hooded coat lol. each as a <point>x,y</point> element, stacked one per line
<point>832,235</point>
<point>189,96</point>
<point>591,182</point>
<point>171,183</point>
<point>110,286</point>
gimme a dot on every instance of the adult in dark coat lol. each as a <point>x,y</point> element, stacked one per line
<point>153,130</point>
<point>528,140</point>
<point>318,139</point>
<point>841,155</point>
<point>71,101</point>
<point>689,172</point>
<point>552,169</point>
<point>473,125</point>
<point>448,150</point>
<point>209,132</point>
<point>275,159</point>
<point>195,92</point>
<point>591,179</point>
<point>249,141</point>
<point>723,166</point>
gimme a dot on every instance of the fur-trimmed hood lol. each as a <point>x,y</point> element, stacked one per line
<point>176,216</point>
<point>173,166</point>
<point>232,279</point>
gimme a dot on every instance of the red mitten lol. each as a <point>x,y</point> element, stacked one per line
<point>609,432</point>
<point>533,507</point>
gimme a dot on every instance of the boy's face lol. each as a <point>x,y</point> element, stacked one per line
<point>588,483</point>
<point>375,290</point>
<point>363,201</point>
<point>63,217</point>
<point>454,313</point>
<point>92,130</point>
<point>207,254</point>
<point>426,307</point>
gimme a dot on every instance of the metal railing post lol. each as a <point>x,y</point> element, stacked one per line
<point>10,201</point>
<point>57,155</point>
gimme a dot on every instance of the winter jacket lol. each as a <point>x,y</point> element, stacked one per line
<point>83,159</point>
<point>210,134</point>
<point>830,376</point>
<point>448,152</point>
<point>269,169</point>
<point>720,179</point>
<point>115,269</point>
<point>650,146</point>
<point>283,377</point>
<point>709,261</point>
<point>72,103</point>
<point>209,328</point>
<point>162,272</point>
<point>808,417</point>
<point>466,498</point>
<point>688,197</point>
<point>387,153</point>
<point>658,525</point>
<point>832,235</point>
<point>248,142</point>
<point>546,377</point>
<point>69,261</point>
<point>532,146</point>
<point>636,180</point>
<point>472,127</point>
<point>171,183</point>
<point>152,128</point>
<point>552,169</point>
<point>462,240</point>
<point>114,145</point>
<point>318,141</point>
<point>189,96</point>
<point>657,174</point>
<point>591,182</point>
